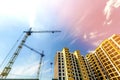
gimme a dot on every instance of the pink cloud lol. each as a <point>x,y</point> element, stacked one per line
<point>85,19</point>
<point>85,36</point>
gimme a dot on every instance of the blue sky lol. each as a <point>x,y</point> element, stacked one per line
<point>82,29</point>
<point>14,21</point>
<point>48,42</point>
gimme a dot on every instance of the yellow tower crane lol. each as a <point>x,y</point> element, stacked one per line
<point>8,67</point>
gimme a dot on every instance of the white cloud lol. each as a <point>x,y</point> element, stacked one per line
<point>23,9</point>
<point>117,3</point>
<point>28,71</point>
<point>73,41</point>
<point>102,34</point>
<point>94,38</point>
<point>17,8</point>
<point>85,36</point>
<point>110,5</point>
<point>109,22</point>
<point>47,70</point>
<point>93,35</point>
<point>45,62</point>
<point>90,51</point>
<point>107,10</point>
<point>21,74</point>
<point>96,43</point>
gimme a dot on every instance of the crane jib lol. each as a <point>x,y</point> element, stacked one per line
<point>9,65</point>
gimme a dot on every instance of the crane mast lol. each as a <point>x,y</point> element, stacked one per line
<point>39,66</point>
<point>9,65</point>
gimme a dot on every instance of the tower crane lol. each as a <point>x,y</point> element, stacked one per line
<point>41,54</point>
<point>8,67</point>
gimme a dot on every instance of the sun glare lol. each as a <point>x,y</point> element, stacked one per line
<point>22,9</point>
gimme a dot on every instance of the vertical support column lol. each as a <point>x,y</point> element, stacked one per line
<point>9,65</point>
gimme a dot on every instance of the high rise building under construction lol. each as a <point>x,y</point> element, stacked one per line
<point>107,58</point>
<point>101,64</point>
<point>70,66</point>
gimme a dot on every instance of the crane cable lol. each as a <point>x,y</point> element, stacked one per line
<point>11,50</point>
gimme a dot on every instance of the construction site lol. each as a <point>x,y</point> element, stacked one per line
<point>59,40</point>
<point>11,59</point>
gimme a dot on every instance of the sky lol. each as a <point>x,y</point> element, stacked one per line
<point>84,25</point>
